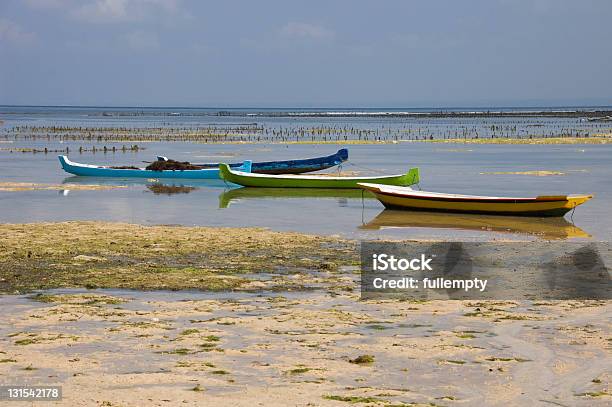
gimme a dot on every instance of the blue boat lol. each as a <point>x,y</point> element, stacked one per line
<point>106,171</point>
<point>289,166</point>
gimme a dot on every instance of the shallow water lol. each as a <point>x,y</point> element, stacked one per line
<point>447,168</point>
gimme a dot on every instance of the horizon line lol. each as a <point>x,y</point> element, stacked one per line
<point>569,106</point>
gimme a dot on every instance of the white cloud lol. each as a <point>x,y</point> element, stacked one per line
<point>306,31</point>
<point>102,11</point>
<point>46,4</point>
<point>13,33</point>
<point>141,40</point>
<point>291,35</point>
<point>111,11</point>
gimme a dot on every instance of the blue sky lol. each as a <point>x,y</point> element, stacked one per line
<point>307,53</point>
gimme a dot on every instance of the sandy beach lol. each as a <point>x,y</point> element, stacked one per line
<point>286,327</point>
<point>303,349</point>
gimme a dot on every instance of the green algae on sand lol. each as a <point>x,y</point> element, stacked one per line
<point>120,255</point>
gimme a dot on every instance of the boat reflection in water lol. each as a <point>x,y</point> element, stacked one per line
<point>163,189</point>
<point>156,186</point>
<point>287,193</point>
<point>545,228</point>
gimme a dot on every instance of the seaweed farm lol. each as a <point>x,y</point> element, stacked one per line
<point>307,127</point>
<point>80,149</point>
<point>428,131</point>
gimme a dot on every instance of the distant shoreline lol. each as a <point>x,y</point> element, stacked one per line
<point>603,113</point>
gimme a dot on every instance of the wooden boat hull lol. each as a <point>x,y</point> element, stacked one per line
<point>311,181</point>
<point>541,206</point>
<point>101,171</point>
<point>546,228</point>
<point>291,166</point>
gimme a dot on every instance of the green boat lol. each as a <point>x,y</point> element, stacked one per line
<point>312,181</point>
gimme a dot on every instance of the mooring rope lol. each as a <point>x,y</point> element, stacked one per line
<point>362,206</point>
<point>369,169</point>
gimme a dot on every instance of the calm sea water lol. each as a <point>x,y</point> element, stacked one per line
<point>456,168</point>
<point>448,168</point>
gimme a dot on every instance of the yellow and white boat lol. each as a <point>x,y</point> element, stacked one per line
<point>394,197</point>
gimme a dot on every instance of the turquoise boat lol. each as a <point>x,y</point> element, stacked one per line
<point>106,171</point>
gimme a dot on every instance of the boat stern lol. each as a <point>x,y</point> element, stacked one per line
<point>575,200</point>
<point>412,177</point>
<point>369,187</point>
<point>246,166</point>
<point>64,162</point>
<point>342,154</point>
<point>224,171</point>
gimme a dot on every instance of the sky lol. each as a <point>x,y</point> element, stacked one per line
<point>306,53</point>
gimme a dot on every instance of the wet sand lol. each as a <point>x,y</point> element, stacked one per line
<point>160,348</point>
<point>270,318</point>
